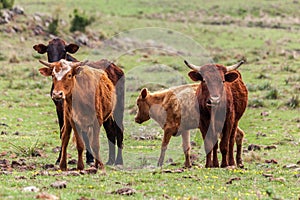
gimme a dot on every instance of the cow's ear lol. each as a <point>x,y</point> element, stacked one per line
<point>144,93</point>
<point>40,48</point>
<point>76,70</point>
<point>46,71</point>
<point>231,76</point>
<point>195,76</point>
<point>72,48</point>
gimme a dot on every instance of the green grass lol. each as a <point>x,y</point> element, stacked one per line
<point>190,29</point>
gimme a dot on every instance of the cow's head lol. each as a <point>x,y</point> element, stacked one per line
<point>143,113</point>
<point>63,73</point>
<point>213,78</point>
<point>56,50</point>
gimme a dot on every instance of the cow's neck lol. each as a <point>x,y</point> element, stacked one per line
<point>71,58</point>
<point>157,110</point>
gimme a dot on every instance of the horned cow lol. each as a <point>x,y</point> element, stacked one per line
<point>89,99</point>
<point>176,110</point>
<point>221,106</point>
<point>56,50</point>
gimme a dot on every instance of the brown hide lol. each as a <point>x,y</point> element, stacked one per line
<point>234,103</point>
<point>58,49</point>
<point>175,110</point>
<point>89,99</point>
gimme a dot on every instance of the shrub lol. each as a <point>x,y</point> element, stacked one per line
<point>6,4</point>
<point>255,103</point>
<point>80,21</point>
<point>294,102</point>
<point>273,94</point>
<point>264,86</point>
<point>52,28</point>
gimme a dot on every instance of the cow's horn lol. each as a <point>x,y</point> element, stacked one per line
<point>77,64</point>
<point>235,66</point>
<point>46,63</point>
<point>191,66</point>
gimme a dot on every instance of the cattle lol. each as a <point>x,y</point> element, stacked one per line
<point>89,98</point>
<point>56,50</point>
<point>222,98</point>
<point>176,111</point>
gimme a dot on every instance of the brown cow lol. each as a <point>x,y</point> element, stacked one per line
<point>176,110</point>
<point>56,50</point>
<point>219,113</point>
<point>89,100</point>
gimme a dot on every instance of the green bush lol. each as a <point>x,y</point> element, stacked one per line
<point>272,94</point>
<point>80,21</point>
<point>52,28</point>
<point>6,3</point>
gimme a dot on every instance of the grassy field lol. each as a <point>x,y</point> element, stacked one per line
<point>150,40</point>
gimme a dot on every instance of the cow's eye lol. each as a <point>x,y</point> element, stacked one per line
<point>69,76</point>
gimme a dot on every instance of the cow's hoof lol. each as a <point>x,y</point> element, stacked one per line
<point>109,162</point>
<point>119,162</point>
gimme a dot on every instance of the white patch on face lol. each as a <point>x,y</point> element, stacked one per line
<point>64,70</point>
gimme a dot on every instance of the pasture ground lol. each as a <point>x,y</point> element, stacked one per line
<point>265,32</point>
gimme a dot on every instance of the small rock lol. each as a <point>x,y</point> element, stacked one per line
<point>253,147</point>
<point>91,170</point>
<point>72,162</point>
<point>20,120</point>
<point>48,166</point>
<point>46,196</point>
<point>264,114</point>
<point>270,147</point>
<point>59,184</point>
<point>272,161</point>
<point>267,175</point>
<point>3,133</point>
<point>233,179</point>
<point>31,189</point>
<point>280,179</point>
<point>125,191</point>
<point>56,149</point>
<point>18,10</point>
<point>290,166</point>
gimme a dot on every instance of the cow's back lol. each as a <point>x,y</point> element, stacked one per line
<point>189,108</point>
<point>93,95</point>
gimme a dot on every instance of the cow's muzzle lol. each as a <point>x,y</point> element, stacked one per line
<point>138,120</point>
<point>57,95</point>
<point>213,101</point>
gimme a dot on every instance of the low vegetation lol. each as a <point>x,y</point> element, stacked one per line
<point>265,32</point>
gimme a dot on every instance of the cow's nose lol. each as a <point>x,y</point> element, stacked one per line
<point>57,95</point>
<point>137,120</point>
<point>213,100</point>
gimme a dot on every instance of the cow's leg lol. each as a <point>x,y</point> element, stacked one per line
<point>118,118</point>
<point>239,142</point>
<point>111,136</point>
<point>209,146</point>
<point>96,150</point>
<point>66,132</point>
<point>60,116</point>
<point>89,155</point>
<point>231,145</point>
<point>80,148</point>
<point>186,145</point>
<point>119,131</point>
<point>166,139</point>
<point>215,156</point>
<point>208,150</point>
<point>224,145</point>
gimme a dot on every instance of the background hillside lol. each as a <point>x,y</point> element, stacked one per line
<point>150,40</point>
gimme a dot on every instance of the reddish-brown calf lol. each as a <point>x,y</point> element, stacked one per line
<point>89,99</point>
